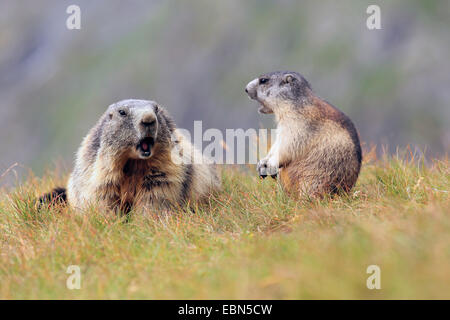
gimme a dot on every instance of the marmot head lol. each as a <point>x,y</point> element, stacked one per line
<point>278,88</point>
<point>133,128</point>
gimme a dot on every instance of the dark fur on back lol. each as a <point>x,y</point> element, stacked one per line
<point>331,112</point>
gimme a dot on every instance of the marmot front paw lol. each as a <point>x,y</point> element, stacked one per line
<point>266,168</point>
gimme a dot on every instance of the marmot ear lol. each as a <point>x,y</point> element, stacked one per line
<point>289,78</point>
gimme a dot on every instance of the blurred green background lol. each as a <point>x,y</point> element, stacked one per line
<point>195,57</point>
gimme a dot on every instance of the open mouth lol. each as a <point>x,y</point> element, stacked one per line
<point>264,109</point>
<point>145,147</point>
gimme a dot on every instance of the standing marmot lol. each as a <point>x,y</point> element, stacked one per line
<point>134,157</point>
<point>317,148</point>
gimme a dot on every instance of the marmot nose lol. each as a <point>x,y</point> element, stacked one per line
<point>246,90</point>
<point>148,119</point>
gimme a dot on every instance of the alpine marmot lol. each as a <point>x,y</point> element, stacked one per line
<point>134,157</point>
<point>317,149</point>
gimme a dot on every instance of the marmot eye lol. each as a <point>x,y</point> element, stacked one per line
<point>122,113</point>
<point>263,80</point>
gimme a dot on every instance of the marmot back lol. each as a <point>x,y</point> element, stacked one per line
<point>134,157</point>
<point>317,149</point>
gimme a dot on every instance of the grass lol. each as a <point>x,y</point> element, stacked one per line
<point>251,241</point>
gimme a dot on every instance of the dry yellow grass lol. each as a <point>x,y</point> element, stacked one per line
<point>251,241</point>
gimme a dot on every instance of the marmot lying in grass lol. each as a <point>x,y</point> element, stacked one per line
<point>317,149</point>
<point>134,157</point>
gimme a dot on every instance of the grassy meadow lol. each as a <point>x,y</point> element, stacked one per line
<point>251,241</point>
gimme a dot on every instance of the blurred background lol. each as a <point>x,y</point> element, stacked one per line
<point>195,58</point>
